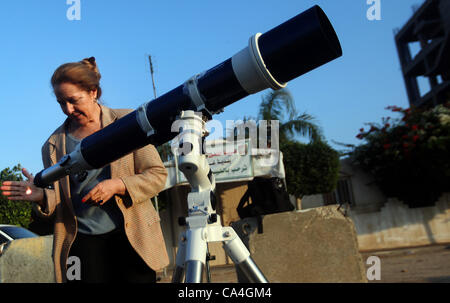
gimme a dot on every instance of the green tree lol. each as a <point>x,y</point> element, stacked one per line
<point>310,168</point>
<point>14,212</point>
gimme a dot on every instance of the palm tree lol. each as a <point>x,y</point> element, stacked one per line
<point>279,105</point>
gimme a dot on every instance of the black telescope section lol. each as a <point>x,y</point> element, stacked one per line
<point>126,135</point>
<point>220,87</point>
<point>289,50</point>
<point>113,141</point>
<point>299,45</point>
<point>163,111</point>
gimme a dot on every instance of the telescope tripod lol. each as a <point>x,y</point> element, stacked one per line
<point>203,225</point>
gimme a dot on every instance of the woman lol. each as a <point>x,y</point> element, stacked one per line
<point>106,219</point>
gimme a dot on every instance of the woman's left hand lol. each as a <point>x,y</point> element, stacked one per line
<point>104,191</point>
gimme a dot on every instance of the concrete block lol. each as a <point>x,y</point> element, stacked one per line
<point>28,261</point>
<point>314,245</point>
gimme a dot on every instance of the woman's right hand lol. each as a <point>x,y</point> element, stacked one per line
<point>23,190</point>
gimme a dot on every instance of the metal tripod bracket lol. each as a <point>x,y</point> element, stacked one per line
<point>203,225</point>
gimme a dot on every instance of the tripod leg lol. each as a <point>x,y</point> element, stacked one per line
<point>240,255</point>
<point>195,255</point>
<point>194,271</point>
<point>208,270</point>
<point>252,271</point>
<point>178,273</point>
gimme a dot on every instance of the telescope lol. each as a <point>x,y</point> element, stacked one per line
<point>270,60</point>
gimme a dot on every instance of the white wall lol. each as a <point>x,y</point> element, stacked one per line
<point>383,223</point>
<point>312,201</point>
<point>366,194</point>
<point>396,225</point>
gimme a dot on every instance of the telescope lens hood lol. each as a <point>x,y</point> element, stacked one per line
<point>299,45</point>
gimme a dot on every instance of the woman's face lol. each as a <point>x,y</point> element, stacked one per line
<point>79,105</point>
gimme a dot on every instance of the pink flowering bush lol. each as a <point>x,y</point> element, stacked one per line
<point>409,156</point>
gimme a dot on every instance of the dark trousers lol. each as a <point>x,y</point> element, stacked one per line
<point>109,258</point>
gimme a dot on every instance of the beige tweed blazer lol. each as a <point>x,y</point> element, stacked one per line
<point>144,176</point>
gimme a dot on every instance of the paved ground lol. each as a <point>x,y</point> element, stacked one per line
<point>413,265</point>
<point>420,264</point>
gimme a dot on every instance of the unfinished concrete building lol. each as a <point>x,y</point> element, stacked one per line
<point>428,31</point>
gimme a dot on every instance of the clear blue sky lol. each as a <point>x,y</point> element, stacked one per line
<point>185,38</point>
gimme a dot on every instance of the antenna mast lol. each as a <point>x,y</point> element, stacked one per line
<point>151,71</point>
<point>154,93</point>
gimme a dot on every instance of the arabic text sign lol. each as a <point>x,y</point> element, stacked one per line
<point>228,167</point>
